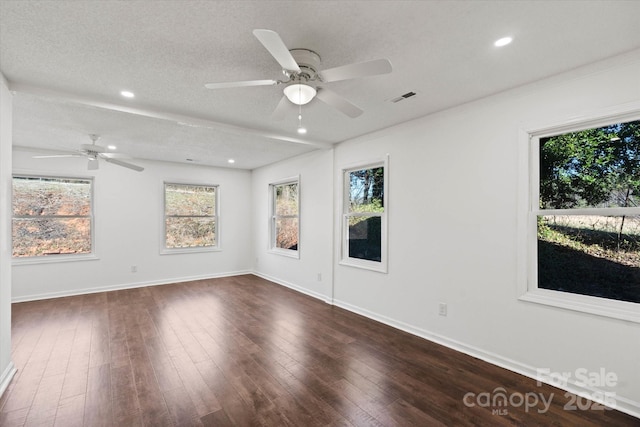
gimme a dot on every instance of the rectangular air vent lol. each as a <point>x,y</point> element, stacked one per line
<point>403,97</point>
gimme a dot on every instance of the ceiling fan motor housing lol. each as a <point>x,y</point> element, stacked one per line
<point>309,63</point>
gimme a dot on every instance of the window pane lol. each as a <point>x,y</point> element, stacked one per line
<point>287,199</point>
<point>36,237</point>
<point>366,190</point>
<point>590,255</point>
<point>287,233</point>
<point>51,196</point>
<point>365,238</point>
<point>190,232</point>
<point>189,200</point>
<point>597,167</point>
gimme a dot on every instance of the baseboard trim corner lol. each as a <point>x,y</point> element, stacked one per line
<point>294,287</point>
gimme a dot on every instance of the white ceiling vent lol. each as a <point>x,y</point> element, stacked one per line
<point>403,97</point>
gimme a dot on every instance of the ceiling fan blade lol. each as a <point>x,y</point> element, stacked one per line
<point>119,156</point>
<point>352,71</point>
<point>276,47</point>
<point>225,85</point>
<point>339,103</point>
<point>124,164</point>
<point>53,156</point>
<point>281,110</point>
<point>92,164</point>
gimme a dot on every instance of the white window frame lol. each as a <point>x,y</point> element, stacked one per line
<point>529,210</point>
<point>378,266</point>
<point>55,258</point>
<point>216,216</point>
<point>293,253</point>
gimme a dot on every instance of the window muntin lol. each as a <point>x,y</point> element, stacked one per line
<point>52,217</point>
<point>364,217</point>
<point>586,212</point>
<point>190,213</point>
<point>285,217</point>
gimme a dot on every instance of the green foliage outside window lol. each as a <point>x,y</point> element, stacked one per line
<point>596,253</point>
<point>364,213</point>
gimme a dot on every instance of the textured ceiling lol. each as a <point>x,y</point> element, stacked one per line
<point>68,61</point>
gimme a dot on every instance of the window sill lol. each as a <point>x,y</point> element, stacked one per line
<point>52,259</point>
<point>285,252</point>
<point>189,250</point>
<point>622,310</point>
<point>365,265</point>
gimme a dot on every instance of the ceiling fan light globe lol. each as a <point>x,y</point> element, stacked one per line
<point>299,94</point>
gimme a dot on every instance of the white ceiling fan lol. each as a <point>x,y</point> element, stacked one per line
<point>94,152</point>
<point>304,80</point>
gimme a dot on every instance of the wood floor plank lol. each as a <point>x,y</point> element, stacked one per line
<point>98,409</point>
<point>123,394</point>
<point>217,419</point>
<point>242,351</point>
<point>234,407</point>
<point>402,413</point>
<point>70,411</point>
<point>203,399</point>
<point>25,386</point>
<point>165,372</point>
<point>15,418</point>
<point>153,408</point>
<point>181,408</point>
<point>45,403</point>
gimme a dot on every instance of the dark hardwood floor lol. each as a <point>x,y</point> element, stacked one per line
<point>244,351</point>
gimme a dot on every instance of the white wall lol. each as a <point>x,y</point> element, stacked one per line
<point>7,368</point>
<point>453,197</point>
<point>316,221</point>
<point>128,228</point>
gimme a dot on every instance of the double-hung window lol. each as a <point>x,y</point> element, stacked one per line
<point>364,219</point>
<point>52,217</point>
<point>285,217</point>
<point>584,217</point>
<point>190,217</point>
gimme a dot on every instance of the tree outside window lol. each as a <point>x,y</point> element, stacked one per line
<point>365,217</point>
<point>588,218</point>
<point>285,216</point>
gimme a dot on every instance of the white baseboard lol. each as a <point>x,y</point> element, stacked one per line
<point>622,404</point>
<point>7,376</point>
<point>122,286</point>
<point>297,288</point>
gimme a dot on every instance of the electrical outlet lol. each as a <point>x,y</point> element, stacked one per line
<point>442,309</point>
<point>134,268</point>
<point>319,277</point>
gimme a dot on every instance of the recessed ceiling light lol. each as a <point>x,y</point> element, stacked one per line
<point>127,94</point>
<point>302,130</point>
<point>111,147</point>
<point>503,41</point>
<point>231,161</point>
